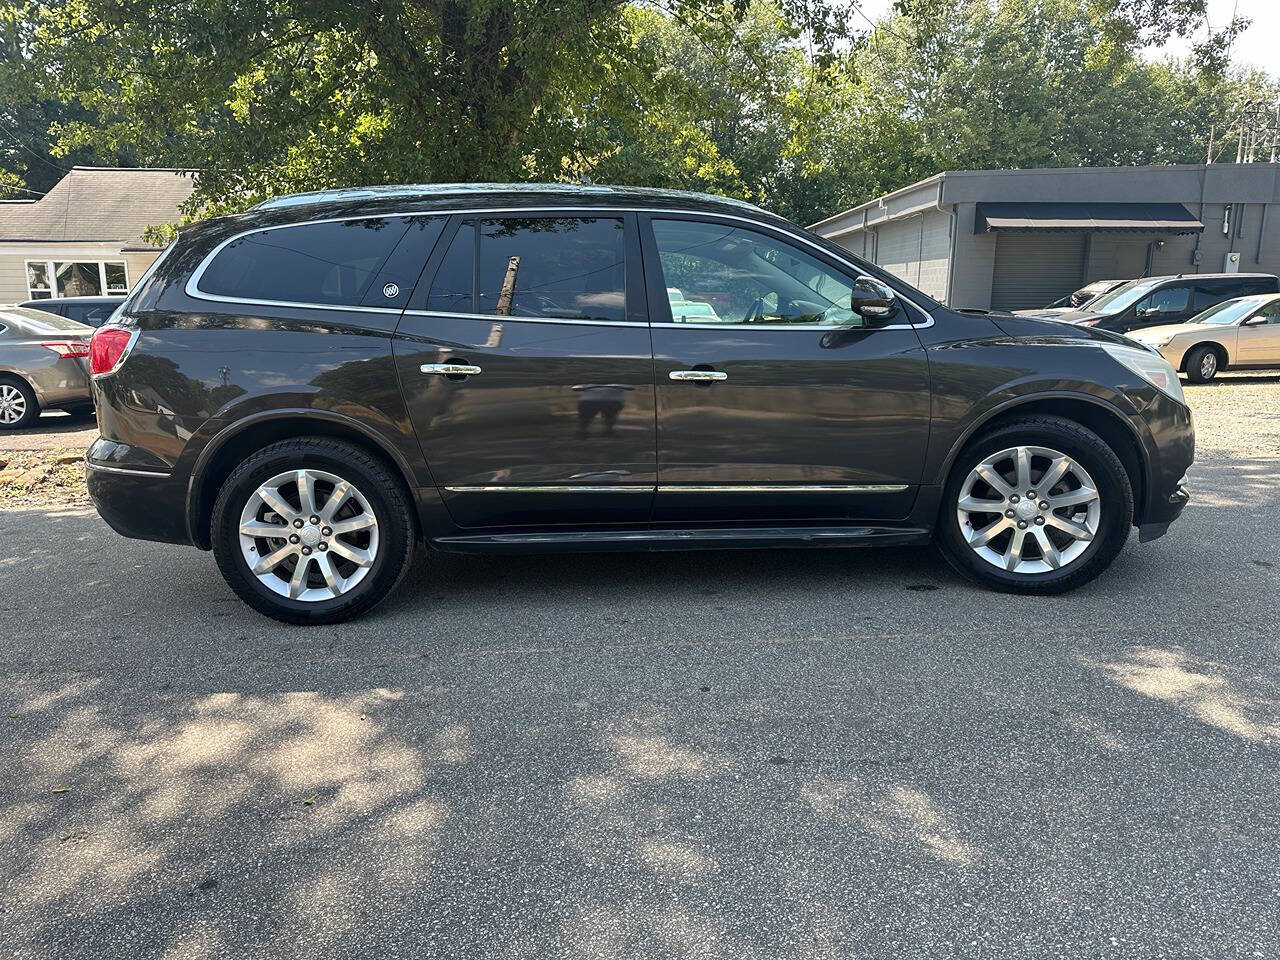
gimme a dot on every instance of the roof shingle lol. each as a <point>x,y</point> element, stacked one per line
<point>99,204</point>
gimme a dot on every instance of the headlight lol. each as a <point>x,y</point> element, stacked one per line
<point>1163,341</point>
<point>1152,367</point>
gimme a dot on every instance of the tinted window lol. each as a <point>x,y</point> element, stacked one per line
<point>94,314</point>
<point>330,263</point>
<point>451,290</point>
<point>1166,300</point>
<point>715,273</point>
<point>560,267</point>
<point>1250,288</point>
<point>1206,295</point>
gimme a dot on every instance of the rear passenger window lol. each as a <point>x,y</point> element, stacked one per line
<point>325,263</point>
<point>570,268</point>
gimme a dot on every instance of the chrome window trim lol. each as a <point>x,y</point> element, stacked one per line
<point>193,283</point>
<point>689,488</point>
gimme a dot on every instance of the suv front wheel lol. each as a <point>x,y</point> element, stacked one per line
<point>312,531</point>
<point>1037,505</point>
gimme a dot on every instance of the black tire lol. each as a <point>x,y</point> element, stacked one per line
<point>1203,364</point>
<point>32,412</point>
<point>1087,449</point>
<point>385,494</point>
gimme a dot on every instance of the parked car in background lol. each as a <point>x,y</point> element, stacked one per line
<point>43,365</point>
<point>312,387</point>
<point>92,311</point>
<point>1160,301</point>
<point>1073,301</point>
<point>1237,334</point>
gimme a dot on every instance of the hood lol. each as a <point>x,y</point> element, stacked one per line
<point>1077,316</point>
<point>1054,331</point>
<point>1046,313</point>
<point>1152,334</point>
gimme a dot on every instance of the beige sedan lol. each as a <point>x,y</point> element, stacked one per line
<point>1238,333</point>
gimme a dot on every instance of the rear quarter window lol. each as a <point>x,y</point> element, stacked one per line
<point>325,263</point>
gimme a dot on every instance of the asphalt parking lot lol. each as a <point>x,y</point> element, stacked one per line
<point>790,754</point>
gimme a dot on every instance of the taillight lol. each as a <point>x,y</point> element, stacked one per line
<point>1089,323</point>
<point>68,348</point>
<point>107,349</point>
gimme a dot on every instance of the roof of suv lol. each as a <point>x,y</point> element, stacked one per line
<point>426,195</point>
<point>1206,276</point>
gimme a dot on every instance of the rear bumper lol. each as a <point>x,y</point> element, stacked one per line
<point>137,503</point>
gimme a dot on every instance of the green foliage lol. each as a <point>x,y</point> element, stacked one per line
<point>774,101</point>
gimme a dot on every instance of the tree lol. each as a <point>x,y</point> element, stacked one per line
<point>295,94</point>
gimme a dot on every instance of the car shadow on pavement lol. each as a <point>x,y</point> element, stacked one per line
<point>785,754</point>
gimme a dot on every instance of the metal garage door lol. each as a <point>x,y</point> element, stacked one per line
<point>898,248</point>
<point>1034,269</point>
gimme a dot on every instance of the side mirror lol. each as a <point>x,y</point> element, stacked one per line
<point>1254,322</point>
<point>874,302</point>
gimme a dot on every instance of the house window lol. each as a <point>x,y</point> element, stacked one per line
<point>76,278</point>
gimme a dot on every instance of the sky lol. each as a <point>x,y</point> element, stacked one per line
<point>1258,46</point>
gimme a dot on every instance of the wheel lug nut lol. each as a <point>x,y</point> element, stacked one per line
<point>315,519</point>
<point>306,551</point>
<point>1031,494</point>
<point>298,524</point>
<point>323,546</point>
<point>1009,514</point>
<point>1044,504</point>
<point>1040,521</point>
<point>1014,499</point>
<point>326,530</point>
<point>293,538</point>
<point>1022,524</point>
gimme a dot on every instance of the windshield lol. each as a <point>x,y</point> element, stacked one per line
<point>1121,298</point>
<point>1232,311</point>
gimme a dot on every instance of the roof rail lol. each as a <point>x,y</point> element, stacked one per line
<point>420,190</point>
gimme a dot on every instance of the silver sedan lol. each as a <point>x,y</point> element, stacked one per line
<point>44,363</point>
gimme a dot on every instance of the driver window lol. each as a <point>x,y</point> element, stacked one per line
<point>716,273</point>
<point>1166,300</point>
<point>1271,311</point>
<point>569,268</point>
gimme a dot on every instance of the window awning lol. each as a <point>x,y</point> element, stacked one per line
<point>1104,217</point>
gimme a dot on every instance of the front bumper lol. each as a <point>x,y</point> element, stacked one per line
<point>1160,515</point>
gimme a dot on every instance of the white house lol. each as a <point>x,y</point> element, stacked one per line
<point>85,237</point>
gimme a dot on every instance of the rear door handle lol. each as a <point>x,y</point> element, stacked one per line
<point>450,369</point>
<point>698,376</point>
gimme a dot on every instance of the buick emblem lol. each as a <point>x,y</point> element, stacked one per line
<point>391,291</point>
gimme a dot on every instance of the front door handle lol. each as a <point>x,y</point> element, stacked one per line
<point>698,376</point>
<point>450,369</point>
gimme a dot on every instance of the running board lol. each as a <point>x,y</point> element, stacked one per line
<point>719,538</point>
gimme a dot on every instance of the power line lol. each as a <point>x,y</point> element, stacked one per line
<point>19,143</point>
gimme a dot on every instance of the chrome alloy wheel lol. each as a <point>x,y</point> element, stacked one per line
<point>308,535</point>
<point>13,405</point>
<point>1029,510</point>
<point>1209,365</point>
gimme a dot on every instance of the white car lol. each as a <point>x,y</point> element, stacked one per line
<point>1244,332</point>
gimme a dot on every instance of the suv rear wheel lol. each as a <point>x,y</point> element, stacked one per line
<point>1037,505</point>
<point>312,531</point>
